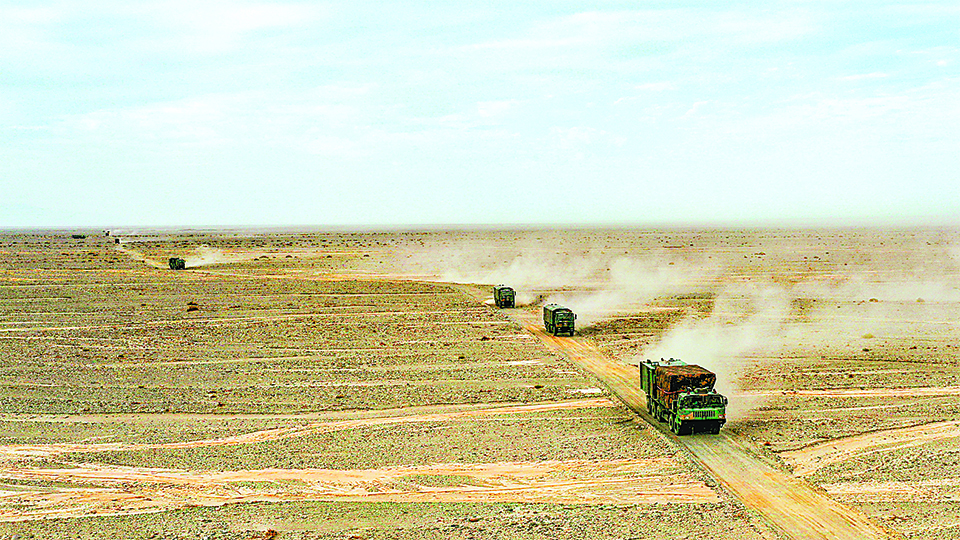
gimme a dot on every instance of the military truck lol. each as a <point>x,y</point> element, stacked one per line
<point>558,319</point>
<point>176,263</point>
<point>504,296</point>
<point>682,396</point>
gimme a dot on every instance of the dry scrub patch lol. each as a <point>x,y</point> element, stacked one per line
<point>408,521</point>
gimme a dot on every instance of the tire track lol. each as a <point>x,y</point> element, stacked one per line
<point>808,460</point>
<point>50,451</point>
<point>786,503</point>
<point>132,490</point>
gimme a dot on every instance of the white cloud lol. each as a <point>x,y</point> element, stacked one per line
<point>488,109</point>
<point>579,137</point>
<point>657,86</point>
<point>668,25</point>
<point>862,76</point>
<point>286,118</point>
<point>695,108</point>
<point>15,16</point>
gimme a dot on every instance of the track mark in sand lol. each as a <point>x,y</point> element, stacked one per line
<point>325,276</point>
<point>13,452</point>
<point>947,490</point>
<point>226,321</point>
<point>921,391</point>
<point>810,459</point>
<point>139,257</point>
<point>785,502</point>
<point>131,490</point>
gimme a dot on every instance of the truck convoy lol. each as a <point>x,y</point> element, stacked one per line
<point>558,319</point>
<point>177,263</point>
<point>682,396</point>
<point>504,296</point>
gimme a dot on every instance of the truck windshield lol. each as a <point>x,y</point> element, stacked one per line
<point>690,402</point>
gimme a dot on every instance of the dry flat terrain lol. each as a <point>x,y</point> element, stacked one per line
<point>339,384</point>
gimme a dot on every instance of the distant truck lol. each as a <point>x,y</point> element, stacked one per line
<point>177,263</point>
<point>558,319</point>
<point>504,297</point>
<point>682,396</point>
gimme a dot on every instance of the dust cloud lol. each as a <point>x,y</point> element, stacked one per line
<point>630,284</point>
<point>206,255</point>
<point>745,322</point>
<point>761,312</point>
<point>595,284</point>
<point>923,288</point>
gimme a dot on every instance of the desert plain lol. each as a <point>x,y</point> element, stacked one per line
<point>308,384</point>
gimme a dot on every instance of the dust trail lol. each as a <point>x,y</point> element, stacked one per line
<point>525,269</point>
<point>596,284</point>
<point>631,283</point>
<point>861,288</point>
<point>137,256</point>
<point>206,255</point>
<point>746,319</point>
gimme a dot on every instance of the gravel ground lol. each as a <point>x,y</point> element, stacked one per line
<point>89,330</point>
<point>588,434</point>
<point>326,521</point>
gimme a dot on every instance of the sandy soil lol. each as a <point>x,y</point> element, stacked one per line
<point>364,369</point>
<point>133,490</point>
<point>13,452</point>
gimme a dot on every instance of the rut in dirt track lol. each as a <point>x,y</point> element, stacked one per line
<point>786,503</point>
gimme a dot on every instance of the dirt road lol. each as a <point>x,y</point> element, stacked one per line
<point>786,503</point>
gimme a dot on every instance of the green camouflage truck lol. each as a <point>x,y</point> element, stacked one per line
<point>682,396</point>
<point>176,263</point>
<point>558,319</point>
<point>504,297</point>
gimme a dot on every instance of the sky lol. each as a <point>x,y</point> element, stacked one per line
<point>178,113</point>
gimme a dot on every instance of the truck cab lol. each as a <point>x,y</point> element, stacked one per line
<point>558,319</point>
<point>683,396</point>
<point>504,297</point>
<point>701,410</point>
